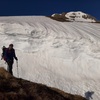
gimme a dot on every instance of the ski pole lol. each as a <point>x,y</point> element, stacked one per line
<point>17,69</point>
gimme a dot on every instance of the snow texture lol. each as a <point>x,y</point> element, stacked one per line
<point>77,17</point>
<point>62,55</point>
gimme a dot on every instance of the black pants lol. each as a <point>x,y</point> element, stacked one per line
<point>9,67</point>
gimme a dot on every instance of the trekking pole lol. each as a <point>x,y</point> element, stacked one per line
<point>17,69</point>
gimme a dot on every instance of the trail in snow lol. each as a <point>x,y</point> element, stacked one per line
<point>61,55</point>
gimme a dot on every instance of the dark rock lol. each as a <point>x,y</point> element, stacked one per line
<point>12,88</point>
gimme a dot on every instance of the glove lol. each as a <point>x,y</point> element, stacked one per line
<point>16,58</point>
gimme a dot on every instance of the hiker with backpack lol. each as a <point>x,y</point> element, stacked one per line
<point>8,55</point>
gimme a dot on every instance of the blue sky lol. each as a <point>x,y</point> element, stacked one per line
<point>48,7</point>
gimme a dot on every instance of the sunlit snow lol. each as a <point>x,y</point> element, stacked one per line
<point>62,55</point>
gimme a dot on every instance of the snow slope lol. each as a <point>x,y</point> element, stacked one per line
<point>62,55</point>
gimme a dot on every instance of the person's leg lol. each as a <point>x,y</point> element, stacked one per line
<point>10,67</point>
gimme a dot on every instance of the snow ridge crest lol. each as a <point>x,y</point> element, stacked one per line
<point>74,16</point>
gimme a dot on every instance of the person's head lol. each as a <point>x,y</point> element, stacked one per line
<point>11,46</point>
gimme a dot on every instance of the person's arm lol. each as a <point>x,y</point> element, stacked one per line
<point>15,55</point>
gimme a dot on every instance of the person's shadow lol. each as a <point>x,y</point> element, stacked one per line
<point>89,94</point>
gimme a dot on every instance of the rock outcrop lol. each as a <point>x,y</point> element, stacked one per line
<point>12,88</point>
<point>73,17</point>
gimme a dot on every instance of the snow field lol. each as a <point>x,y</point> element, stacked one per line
<point>61,55</point>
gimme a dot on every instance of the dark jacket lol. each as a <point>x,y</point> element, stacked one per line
<point>10,55</point>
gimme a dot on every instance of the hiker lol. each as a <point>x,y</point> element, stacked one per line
<point>9,56</point>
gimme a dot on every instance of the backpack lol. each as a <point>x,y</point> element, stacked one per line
<point>3,53</point>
